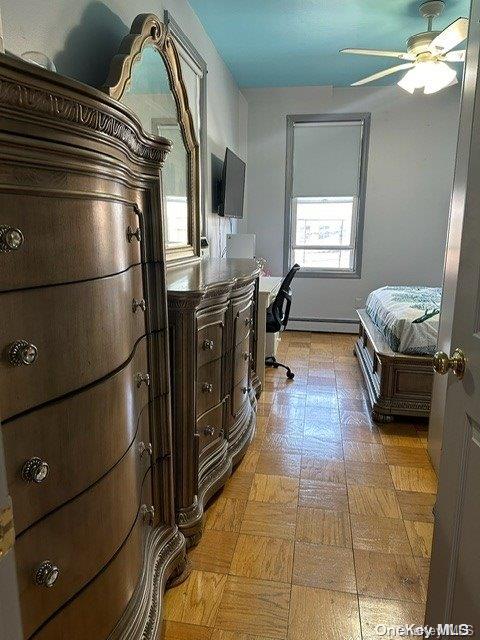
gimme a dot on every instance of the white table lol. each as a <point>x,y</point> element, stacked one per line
<point>267,290</point>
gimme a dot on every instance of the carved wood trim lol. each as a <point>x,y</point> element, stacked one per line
<point>147,29</point>
<point>17,93</point>
<point>164,557</point>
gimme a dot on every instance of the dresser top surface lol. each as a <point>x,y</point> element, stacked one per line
<point>209,273</point>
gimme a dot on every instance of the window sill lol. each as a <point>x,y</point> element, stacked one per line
<point>321,273</point>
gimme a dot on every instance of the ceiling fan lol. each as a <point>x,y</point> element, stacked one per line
<point>427,54</point>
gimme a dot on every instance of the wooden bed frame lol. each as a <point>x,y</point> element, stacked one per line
<point>397,384</point>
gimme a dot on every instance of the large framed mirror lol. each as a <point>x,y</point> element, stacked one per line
<point>146,76</point>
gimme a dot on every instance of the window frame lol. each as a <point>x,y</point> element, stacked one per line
<point>359,198</point>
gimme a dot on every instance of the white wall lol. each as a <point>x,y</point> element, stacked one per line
<point>410,174</point>
<point>81,37</point>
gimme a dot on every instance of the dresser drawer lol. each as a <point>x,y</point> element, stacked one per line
<point>81,332</point>
<point>239,396</point>
<point>64,240</point>
<point>210,339</point>
<point>209,383</point>
<point>79,438</point>
<point>241,363</point>
<point>83,618</point>
<point>243,320</point>
<point>80,538</point>
<point>210,430</point>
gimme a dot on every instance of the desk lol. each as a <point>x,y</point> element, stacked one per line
<point>267,290</point>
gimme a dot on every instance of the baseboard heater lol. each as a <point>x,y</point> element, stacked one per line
<point>328,320</point>
<point>340,325</point>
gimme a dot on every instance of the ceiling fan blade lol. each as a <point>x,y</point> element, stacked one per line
<point>403,55</point>
<point>455,56</point>
<point>451,36</point>
<point>385,72</point>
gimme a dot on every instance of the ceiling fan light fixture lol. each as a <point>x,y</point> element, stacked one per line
<point>412,80</point>
<point>432,76</point>
<point>443,77</point>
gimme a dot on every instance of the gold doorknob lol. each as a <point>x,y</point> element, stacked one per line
<point>456,363</point>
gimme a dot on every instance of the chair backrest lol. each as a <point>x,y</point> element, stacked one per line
<point>283,300</point>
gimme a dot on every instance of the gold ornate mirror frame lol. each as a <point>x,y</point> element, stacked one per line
<point>147,29</point>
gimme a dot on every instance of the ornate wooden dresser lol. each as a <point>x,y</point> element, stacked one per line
<point>84,374</point>
<point>212,319</point>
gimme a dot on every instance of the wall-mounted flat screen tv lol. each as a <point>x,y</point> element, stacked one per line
<point>232,187</point>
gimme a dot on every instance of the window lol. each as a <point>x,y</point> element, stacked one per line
<point>176,218</point>
<point>325,193</point>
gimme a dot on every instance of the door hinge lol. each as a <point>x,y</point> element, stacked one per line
<point>7,531</point>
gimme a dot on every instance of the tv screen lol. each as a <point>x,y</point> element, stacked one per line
<point>233,186</point>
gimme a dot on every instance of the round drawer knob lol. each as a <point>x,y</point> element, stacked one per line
<point>134,233</point>
<point>148,513</point>
<point>207,387</point>
<point>46,574</point>
<point>209,431</point>
<point>35,470</point>
<point>247,322</point>
<point>11,239</point>
<point>142,378</point>
<point>145,447</point>
<point>246,356</point>
<point>22,352</point>
<point>138,304</point>
<point>208,344</point>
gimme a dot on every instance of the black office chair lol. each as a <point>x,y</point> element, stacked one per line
<point>277,316</point>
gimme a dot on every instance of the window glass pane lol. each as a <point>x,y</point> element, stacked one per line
<point>176,219</point>
<point>324,258</point>
<point>323,222</point>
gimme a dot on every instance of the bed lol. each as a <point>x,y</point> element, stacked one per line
<point>396,343</point>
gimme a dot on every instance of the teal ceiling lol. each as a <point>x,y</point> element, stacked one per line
<point>278,43</point>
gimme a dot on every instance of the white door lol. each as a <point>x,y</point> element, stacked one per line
<point>454,587</point>
<point>10,625</point>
